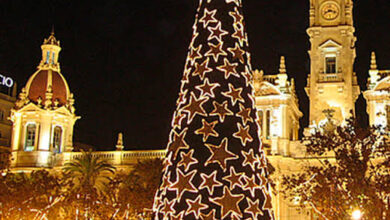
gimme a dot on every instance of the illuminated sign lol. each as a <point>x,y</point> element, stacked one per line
<point>6,81</point>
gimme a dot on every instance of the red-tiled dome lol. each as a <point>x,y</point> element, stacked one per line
<point>37,86</point>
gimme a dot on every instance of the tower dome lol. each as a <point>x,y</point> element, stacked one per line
<point>44,116</point>
<point>47,87</point>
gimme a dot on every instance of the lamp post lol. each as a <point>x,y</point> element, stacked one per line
<point>357,214</point>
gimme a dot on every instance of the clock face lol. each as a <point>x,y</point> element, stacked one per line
<point>330,11</point>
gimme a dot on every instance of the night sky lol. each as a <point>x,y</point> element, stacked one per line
<point>124,59</point>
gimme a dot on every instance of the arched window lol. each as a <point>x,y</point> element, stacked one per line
<point>30,137</point>
<point>2,115</point>
<point>57,139</point>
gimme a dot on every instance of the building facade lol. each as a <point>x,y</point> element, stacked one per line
<point>44,114</point>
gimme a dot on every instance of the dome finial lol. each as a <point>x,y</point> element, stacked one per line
<point>373,61</point>
<point>119,143</point>
<point>52,30</point>
<point>282,68</point>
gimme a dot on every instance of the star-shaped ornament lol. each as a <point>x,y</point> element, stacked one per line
<point>267,205</point>
<point>238,18</point>
<point>234,94</point>
<point>207,88</point>
<point>237,53</point>
<point>209,216</point>
<point>243,134</point>
<point>234,178</point>
<point>237,2</point>
<point>202,69</point>
<point>229,203</point>
<point>248,77</point>
<point>216,32</point>
<point>262,161</point>
<point>221,110</point>
<point>245,114</point>
<point>263,179</point>
<point>220,154</point>
<point>195,54</point>
<point>184,183</point>
<point>187,160</point>
<point>251,185</point>
<point>178,118</point>
<point>194,107</point>
<point>250,159</point>
<point>182,99</point>
<point>178,216</point>
<point>228,69</point>
<point>210,182</point>
<point>185,79</point>
<point>208,17</point>
<point>216,51</point>
<point>178,143</point>
<point>165,182</point>
<point>167,162</point>
<point>253,208</point>
<point>196,206</point>
<point>207,129</point>
<point>239,33</point>
<point>168,207</point>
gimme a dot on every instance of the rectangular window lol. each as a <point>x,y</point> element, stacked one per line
<point>260,121</point>
<point>330,63</point>
<point>388,116</point>
<point>268,124</point>
<point>52,58</point>
<point>47,57</point>
<point>30,137</point>
<point>57,136</point>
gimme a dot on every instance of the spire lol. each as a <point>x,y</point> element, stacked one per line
<point>373,72</point>
<point>282,68</point>
<point>51,40</point>
<point>373,61</point>
<point>119,143</point>
<point>282,76</point>
<point>215,166</point>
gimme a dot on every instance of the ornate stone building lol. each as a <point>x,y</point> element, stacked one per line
<point>278,110</point>
<point>378,95</point>
<point>44,116</point>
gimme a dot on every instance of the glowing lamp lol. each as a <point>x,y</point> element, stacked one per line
<point>357,214</point>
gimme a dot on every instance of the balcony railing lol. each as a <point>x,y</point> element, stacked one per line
<point>118,157</point>
<point>330,77</point>
<point>270,78</point>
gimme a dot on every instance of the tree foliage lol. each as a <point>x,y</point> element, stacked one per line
<point>348,169</point>
<point>5,160</point>
<point>87,188</point>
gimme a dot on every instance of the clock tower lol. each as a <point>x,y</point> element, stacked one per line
<point>332,84</point>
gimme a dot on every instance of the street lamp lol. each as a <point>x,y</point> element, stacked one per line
<point>357,214</point>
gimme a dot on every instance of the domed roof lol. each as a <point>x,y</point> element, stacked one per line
<point>47,87</point>
<point>45,81</point>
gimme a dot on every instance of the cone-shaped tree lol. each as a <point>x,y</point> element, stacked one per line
<point>215,167</point>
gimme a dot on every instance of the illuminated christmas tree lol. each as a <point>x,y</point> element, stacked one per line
<point>215,166</point>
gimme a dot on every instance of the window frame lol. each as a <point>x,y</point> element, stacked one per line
<point>33,140</point>
<point>57,149</point>
<point>334,64</point>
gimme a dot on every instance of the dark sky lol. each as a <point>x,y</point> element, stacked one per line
<point>124,59</point>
